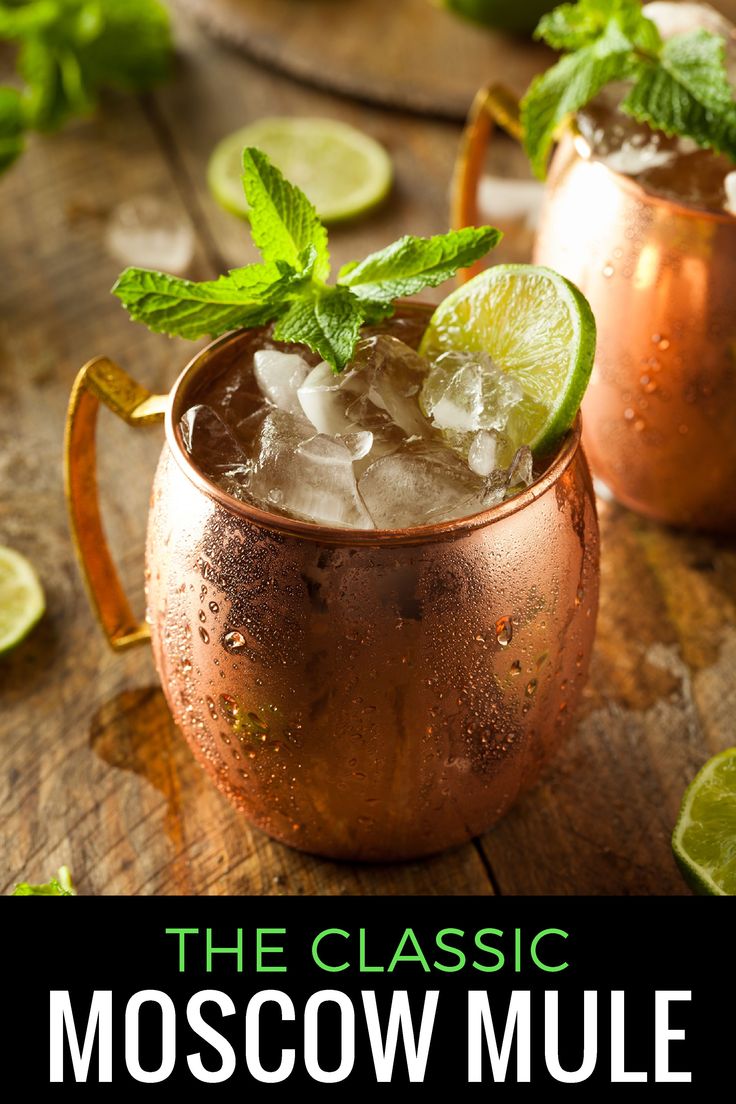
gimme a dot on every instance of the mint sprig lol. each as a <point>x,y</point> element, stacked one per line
<point>679,86</point>
<point>290,287</point>
<point>68,51</point>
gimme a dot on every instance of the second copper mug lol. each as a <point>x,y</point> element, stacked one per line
<point>660,276</point>
<point>359,694</point>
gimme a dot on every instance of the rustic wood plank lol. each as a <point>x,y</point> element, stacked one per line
<point>94,773</point>
<point>397,53</point>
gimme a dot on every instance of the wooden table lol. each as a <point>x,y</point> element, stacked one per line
<point>94,773</point>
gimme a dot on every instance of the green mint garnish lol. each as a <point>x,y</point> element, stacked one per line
<point>61,887</point>
<point>12,126</point>
<point>68,50</point>
<point>289,287</point>
<point>679,86</point>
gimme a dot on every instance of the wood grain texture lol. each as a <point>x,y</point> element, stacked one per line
<point>407,54</point>
<point>93,772</point>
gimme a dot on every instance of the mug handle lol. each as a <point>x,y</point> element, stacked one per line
<point>100,380</point>
<point>492,105</point>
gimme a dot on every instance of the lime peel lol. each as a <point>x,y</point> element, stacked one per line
<point>22,602</point>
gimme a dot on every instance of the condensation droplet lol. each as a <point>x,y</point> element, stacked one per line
<point>234,641</point>
<point>531,687</point>
<point>202,615</point>
<point>504,631</point>
<point>515,668</point>
<point>214,608</point>
<point>204,634</point>
<point>608,270</point>
<point>230,709</point>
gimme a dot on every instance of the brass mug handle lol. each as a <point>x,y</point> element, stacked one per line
<point>492,105</point>
<point>100,380</point>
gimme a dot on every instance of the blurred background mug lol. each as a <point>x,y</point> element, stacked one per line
<point>660,276</point>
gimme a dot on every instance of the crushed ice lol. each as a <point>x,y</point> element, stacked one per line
<point>390,443</point>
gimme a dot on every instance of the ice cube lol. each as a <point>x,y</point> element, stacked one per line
<point>214,449</point>
<point>520,472</point>
<point>393,375</point>
<point>148,231</point>
<point>279,375</point>
<point>419,486</point>
<point>358,444</point>
<point>466,392</point>
<point>461,403</point>
<point>483,452</point>
<point>503,482</point>
<point>378,392</point>
<point>729,185</point>
<point>305,475</point>
<point>324,397</point>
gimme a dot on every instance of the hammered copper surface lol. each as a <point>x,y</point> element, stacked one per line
<point>367,695</point>
<point>660,410</point>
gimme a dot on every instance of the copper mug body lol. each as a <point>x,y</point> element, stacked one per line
<point>661,279</point>
<point>361,695</point>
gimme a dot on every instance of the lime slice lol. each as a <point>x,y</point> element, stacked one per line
<point>704,839</point>
<point>342,171</point>
<point>536,326</point>
<point>21,598</point>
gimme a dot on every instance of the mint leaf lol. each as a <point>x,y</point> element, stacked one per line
<point>12,126</point>
<point>168,304</point>
<point>288,287</point>
<point>16,22</point>
<point>272,281</point>
<point>571,26</point>
<point>688,92</point>
<point>283,222</point>
<point>568,86</point>
<point>411,264</point>
<point>129,48</point>
<point>69,50</point>
<point>328,322</point>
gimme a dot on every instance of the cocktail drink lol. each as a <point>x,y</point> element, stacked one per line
<point>372,591</point>
<point>645,223</point>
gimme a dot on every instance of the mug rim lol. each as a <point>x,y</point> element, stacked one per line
<point>629,184</point>
<point>309,530</point>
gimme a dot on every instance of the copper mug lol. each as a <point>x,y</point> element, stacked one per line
<point>358,694</point>
<point>661,279</point>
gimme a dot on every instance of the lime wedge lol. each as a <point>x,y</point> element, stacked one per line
<point>704,839</point>
<point>536,326</point>
<point>21,598</point>
<point>342,171</point>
